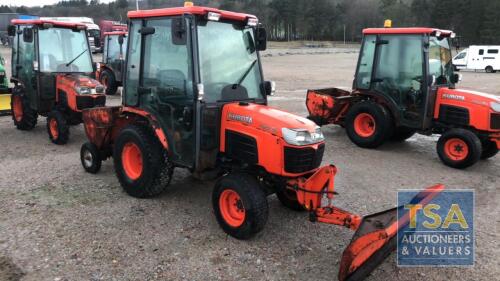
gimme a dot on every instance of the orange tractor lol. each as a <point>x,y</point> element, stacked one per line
<point>110,70</point>
<point>404,83</point>
<point>194,97</point>
<point>50,64</point>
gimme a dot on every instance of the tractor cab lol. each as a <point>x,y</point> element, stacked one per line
<point>110,70</point>
<point>184,64</point>
<point>403,68</point>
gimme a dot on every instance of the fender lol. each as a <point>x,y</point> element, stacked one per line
<point>162,137</point>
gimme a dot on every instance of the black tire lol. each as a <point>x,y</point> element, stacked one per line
<point>467,141</point>
<point>490,149</point>
<point>288,198</point>
<point>157,170</point>
<point>90,158</point>
<point>252,200</point>
<point>107,79</point>
<point>383,125</point>
<point>23,116</point>
<point>318,120</point>
<point>402,133</point>
<point>489,69</point>
<point>57,127</point>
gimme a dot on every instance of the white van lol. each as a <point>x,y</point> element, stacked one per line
<point>478,58</point>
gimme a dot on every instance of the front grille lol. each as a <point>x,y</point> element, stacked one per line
<point>301,160</point>
<point>83,102</point>
<point>454,115</point>
<point>495,121</point>
<point>241,147</point>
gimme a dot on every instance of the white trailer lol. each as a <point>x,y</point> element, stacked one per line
<point>478,58</point>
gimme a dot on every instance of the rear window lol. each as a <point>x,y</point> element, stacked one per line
<point>494,51</point>
<point>481,52</point>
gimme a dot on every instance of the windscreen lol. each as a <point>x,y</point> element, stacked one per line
<point>228,56</point>
<point>64,50</point>
<point>440,60</point>
<point>115,49</point>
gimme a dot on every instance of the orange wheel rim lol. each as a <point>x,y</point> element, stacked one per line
<point>17,107</point>
<point>132,160</point>
<point>456,149</point>
<point>231,208</point>
<point>364,125</point>
<point>53,128</point>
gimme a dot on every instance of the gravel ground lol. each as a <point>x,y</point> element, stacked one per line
<point>59,223</point>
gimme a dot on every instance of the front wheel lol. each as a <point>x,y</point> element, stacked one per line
<point>57,127</point>
<point>459,148</point>
<point>489,69</point>
<point>141,164</point>
<point>90,158</point>
<point>23,116</point>
<point>107,79</point>
<point>240,205</point>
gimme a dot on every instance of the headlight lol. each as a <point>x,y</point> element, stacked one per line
<point>302,136</point>
<point>83,90</point>
<point>495,106</point>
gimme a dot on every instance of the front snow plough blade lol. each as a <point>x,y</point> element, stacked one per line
<point>376,235</point>
<point>376,238</point>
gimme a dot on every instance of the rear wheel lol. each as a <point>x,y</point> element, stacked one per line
<point>288,198</point>
<point>57,127</point>
<point>90,157</point>
<point>459,148</point>
<point>109,82</point>
<point>23,116</point>
<point>489,69</point>
<point>141,163</point>
<point>490,149</point>
<point>368,124</point>
<point>240,205</point>
<point>402,133</point>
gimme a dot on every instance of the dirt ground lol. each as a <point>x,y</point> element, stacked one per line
<point>59,223</point>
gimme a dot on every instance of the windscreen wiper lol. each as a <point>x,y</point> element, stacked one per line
<point>76,57</point>
<point>245,74</point>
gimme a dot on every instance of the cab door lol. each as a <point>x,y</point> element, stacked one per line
<point>160,81</point>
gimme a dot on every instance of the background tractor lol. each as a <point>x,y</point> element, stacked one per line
<point>404,83</point>
<point>50,64</point>
<point>4,89</point>
<point>194,97</point>
<point>110,70</point>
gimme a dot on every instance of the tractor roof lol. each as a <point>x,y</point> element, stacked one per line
<point>407,30</point>
<point>115,33</point>
<point>53,22</point>
<point>194,10</point>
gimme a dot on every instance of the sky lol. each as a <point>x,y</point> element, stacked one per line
<point>31,3</point>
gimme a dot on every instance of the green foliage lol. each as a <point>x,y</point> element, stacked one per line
<point>474,21</point>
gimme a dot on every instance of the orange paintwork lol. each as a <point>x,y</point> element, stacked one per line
<point>17,108</point>
<point>265,127</point>
<point>194,10</point>
<point>53,22</point>
<point>68,83</point>
<point>231,208</point>
<point>477,103</point>
<point>132,161</point>
<point>364,125</point>
<point>329,104</point>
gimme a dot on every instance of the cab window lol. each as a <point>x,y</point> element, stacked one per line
<point>364,75</point>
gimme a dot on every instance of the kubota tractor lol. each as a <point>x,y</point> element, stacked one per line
<point>194,97</point>
<point>404,83</point>
<point>50,64</point>
<point>110,70</point>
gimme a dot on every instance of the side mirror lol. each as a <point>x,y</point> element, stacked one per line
<point>11,30</point>
<point>147,30</point>
<point>269,88</point>
<point>179,31</point>
<point>120,39</point>
<point>261,38</point>
<point>28,35</point>
<point>456,78</point>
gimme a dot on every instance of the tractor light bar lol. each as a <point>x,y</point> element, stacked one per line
<point>252,22</point>
<point>213,16</point>
<point>495,106</point>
